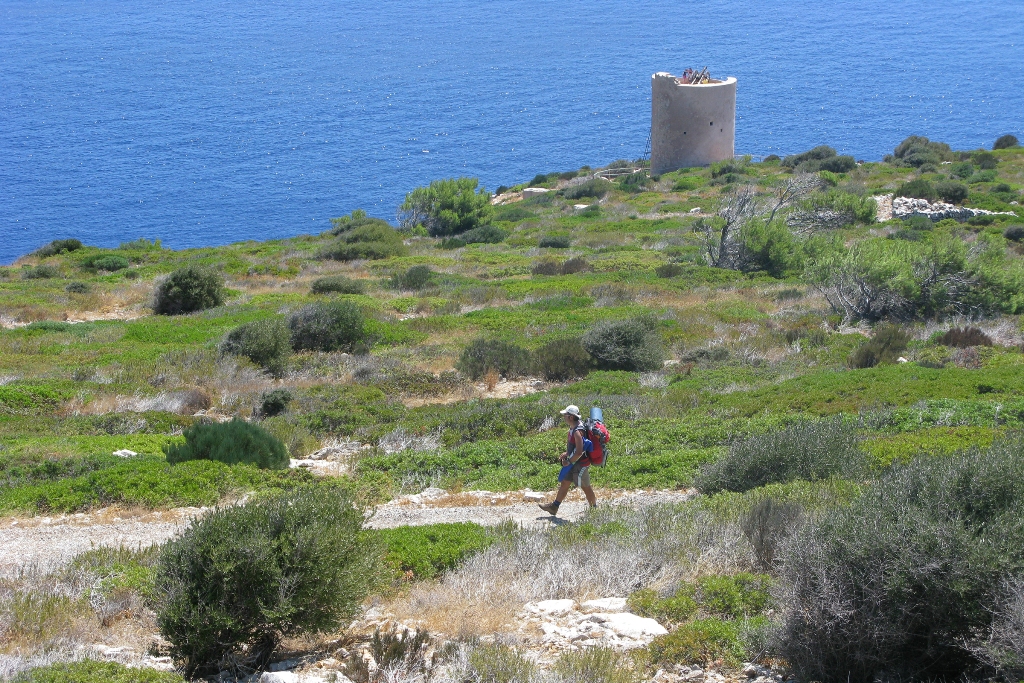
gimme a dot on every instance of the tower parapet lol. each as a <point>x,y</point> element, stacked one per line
<point>691,124</point>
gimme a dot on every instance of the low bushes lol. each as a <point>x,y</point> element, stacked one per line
<point>594,188</point>
<point>328,326</point>
<point>821,158</point>
<point>669,270</point>
<point>78,288</point>
<point>415,278</point>
<point>483,355</point>
<point>885,346</point>
<point>370,240</point>
<point>266,343</point>
<point>108,262</point>
<point>189,289</point>
<point>597,665</point>
<point>58,247</point>
<point>1006,142</point>
<point>918,151</point>
<point>337,284</point>
<point>951,191</point>
<point>424,552</point>
<point>231,443</point>
<point>919,188</point>
<point>447,207</point>
<point>552,266</point>
<point>907,577</point>
<point>561,360</point>
<point>91,671</point>
<point>274,402</point>
<point>631,344</point>
<point>242,578</point>
<point>808,450</point>
<point>702,640</point>
<point>554,242</point>
<point>964,337</point>
<point>44,271</point>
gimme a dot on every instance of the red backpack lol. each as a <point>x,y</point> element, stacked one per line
<point>596,431</point>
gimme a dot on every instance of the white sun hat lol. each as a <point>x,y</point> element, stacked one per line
<point>570,410</point>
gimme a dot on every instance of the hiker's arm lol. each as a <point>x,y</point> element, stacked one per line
<point>578,438</point>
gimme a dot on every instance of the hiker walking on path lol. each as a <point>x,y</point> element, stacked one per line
<point>575,463</point>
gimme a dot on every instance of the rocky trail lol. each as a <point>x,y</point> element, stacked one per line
<point>48,542</point>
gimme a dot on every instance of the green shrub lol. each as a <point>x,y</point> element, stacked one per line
<point>735,596</point>
<point>58,247</point>
<point>415,278</point>
<point>108,262</point>
<point>962,170</point>
<point>78,288</point>
<point>274,402</point>
<point>630,344</point>
<point>885,346</point>
<point>357,219</point>
<point>485,234</point>
<point>369,239</point>
<point>231,443</point>
<point>674,609</point>
<point>918,188</point>
<point>951,191</point>
<point>242,578</point>
<point>817,154</point>
<point>808,451</point>
<point>596,665</point>
<point>1014,233</point>
<point>594,188</point>
<point>986,161</point>
<point>483,355</point>
<point>635,182</point>
<point>512,214</point>
<point>337,284</point>
<point>554,242</point>
<point>964,337</point>
<point>576,264</point>
<point>328,326</point>
<point>703,640</point>
<point>497,663</point>
<point>1006,142</point>
<point>669,270</point>
<point>917,151</point>
<point>838,164</point>
<point>90,671</point>
<point>428,551</point>
<point>189,289</point>
<point>547,266</point>
<point>561,360</point>
<point>44,271</point>
<point>447,207</point>
<point>907,576</point>
<point>265,342</point>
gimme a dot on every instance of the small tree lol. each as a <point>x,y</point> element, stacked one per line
<point>266,343</point>
<point>329,326</point>
<point>446,207</point>
<point>189,289</point>
<point>562,359</point>
<point>242,578</point>
<point>231,443</point>
<point>483,355</point>
<point>625,344</point>
<point>1006,142</point>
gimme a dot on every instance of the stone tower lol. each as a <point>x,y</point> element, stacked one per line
<point>691,125</point>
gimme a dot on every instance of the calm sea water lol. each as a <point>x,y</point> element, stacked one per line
<point>209,121</point>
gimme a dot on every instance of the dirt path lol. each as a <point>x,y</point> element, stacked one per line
<point>45,543</point>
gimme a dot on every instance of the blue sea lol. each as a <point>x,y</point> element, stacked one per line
<point>203,122</point>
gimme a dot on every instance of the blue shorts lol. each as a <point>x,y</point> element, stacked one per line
<point>563,473</point>
<point>578,474</point>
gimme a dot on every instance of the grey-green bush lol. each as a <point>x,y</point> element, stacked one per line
<point>901,582</point>
<point>415,278</point>
<point>265,342</point>
<point>951,191</point>
<point>807,451</point>
<point>561,360</point>
<point>594,188</point>
<point>554,242</point>
<point>369,239</point>
<point>483,355</point>
<point>885,346</point>
<point>232,443</point>
<point>108,262</point>
<point>58,247</point>
<point>44,271</point>
<point>337,284</point>
<point>189,289</point>
<point>328,326</point>
<point>274,402</point>
<point>631,344</point>
<point>1006,142</point>
<point>242,578</point>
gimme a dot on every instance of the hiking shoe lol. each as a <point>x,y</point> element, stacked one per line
<point>550,508</point>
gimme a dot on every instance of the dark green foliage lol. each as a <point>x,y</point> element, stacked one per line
<point>635,182</point>
<point>44,271</point>
<point>962,170</point>
<point>78,288</point>
<point>704,641</point>
<point>918,188</point>
<point>632,344</point>
<point>415,278</point>
<point>950,191</point>
<point>483,355</point>
<point>57,247</point>
<point>356,219</point>
<point>189,289</point>
<point>274,402</point>
<point>241,578</point>
<point>369,239</point>
<point>964,337</point>
<point>512,214</point>
<point>986,161</point>
<point>668,270</point>
<point>1014,233</point>
<point>328,326</point>
<point>885,346</point>
<point>265,342</point>
<point>547,266</point>
<point>808,451</point>
<point>736,596</point>
<point>427,551</point>
<point>337,284</point>
<point>554,242</point>
<point>771,159</point>
<point>905,578</point>
<point>810,161</point>
<point>838,164</point>
<point>91,671</point>
<point>447,207</point>
<point>577,264</point>
<point>561,360</point>
<point>231,443</point>
<point>485,234</point>
<point>674,609</point>
<point>917,151</point>
<point>1006,142</point>
<point>108,262</point>
<point>594,188</point>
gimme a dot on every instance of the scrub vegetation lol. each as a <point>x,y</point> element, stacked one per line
<point>844,394</point>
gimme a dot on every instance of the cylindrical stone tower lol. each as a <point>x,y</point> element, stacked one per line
<point>691,125</point>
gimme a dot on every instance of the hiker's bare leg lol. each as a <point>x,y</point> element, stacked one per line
<point>589,493</point>
<point>563,490</point>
